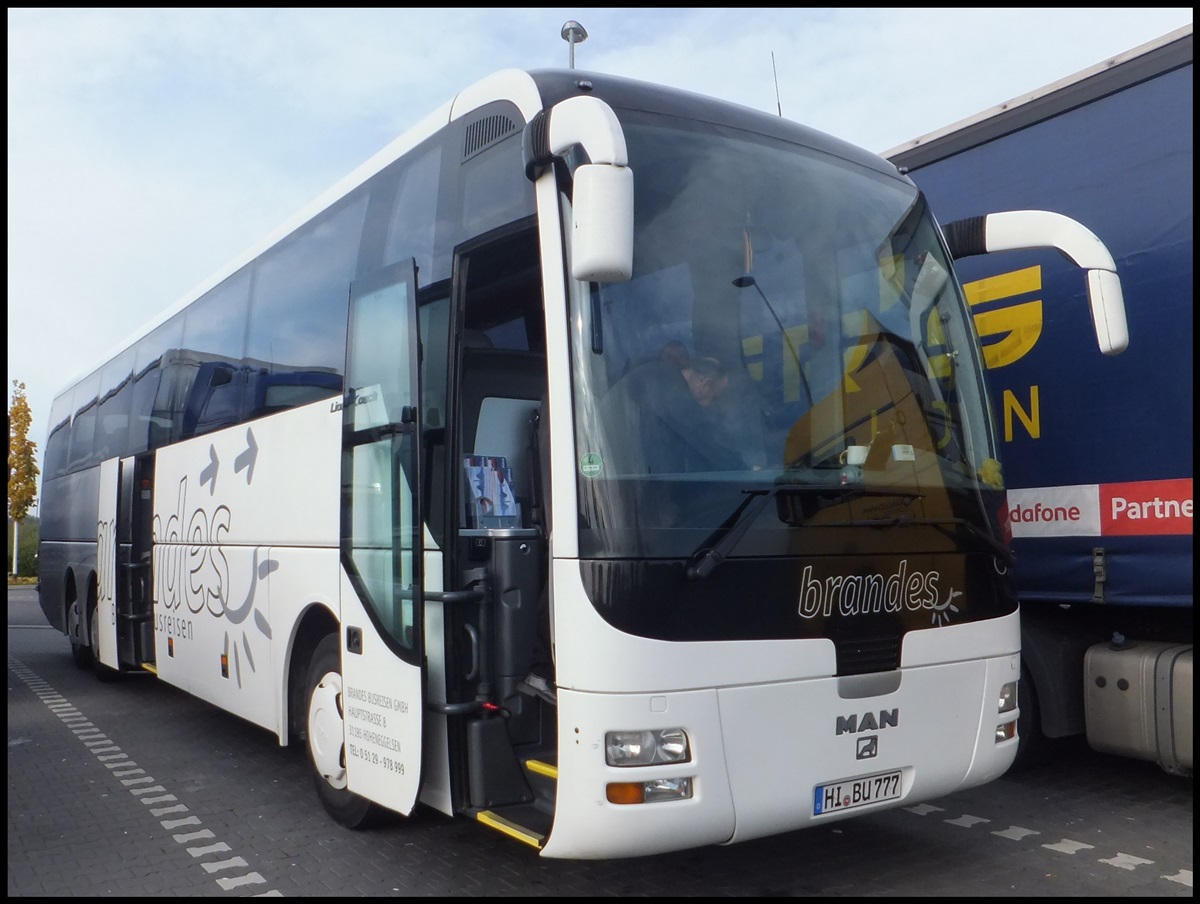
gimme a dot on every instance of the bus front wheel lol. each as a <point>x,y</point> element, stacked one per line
<point>325,733</point>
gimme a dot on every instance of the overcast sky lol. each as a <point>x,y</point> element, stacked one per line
<point>147,148</point>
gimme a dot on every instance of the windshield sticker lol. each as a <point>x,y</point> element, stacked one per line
<point>590,464</point>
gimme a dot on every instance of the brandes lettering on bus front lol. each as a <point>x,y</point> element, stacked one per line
<point>869,594</point>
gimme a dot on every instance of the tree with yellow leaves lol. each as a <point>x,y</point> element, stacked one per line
<point>22,463</point>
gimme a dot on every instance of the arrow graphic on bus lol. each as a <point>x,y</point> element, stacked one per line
<point>244,462</point>
<point>246,459</point>
<point>209,474</point>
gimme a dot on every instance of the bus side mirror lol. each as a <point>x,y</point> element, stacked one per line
<point>602,227</point>
<point>601,240</point>
<point>1019,230</point>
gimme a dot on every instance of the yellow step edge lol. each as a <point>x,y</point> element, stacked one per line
<point>511,829</point>
<point>542,768</point>
<point>150,667</point>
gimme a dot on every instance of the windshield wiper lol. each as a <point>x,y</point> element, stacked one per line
<point>720,543</point>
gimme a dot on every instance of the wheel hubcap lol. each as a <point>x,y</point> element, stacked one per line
<point>325,733</point>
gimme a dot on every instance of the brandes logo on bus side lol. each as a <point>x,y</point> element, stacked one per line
<point>869,594</point>
<point>192,574</point>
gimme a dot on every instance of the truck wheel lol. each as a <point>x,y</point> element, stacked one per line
<point>1032,744</point>
<point>325,731</point>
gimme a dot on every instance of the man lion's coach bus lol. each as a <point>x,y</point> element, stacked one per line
<point>602,462</point>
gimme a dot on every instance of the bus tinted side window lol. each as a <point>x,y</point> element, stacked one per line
<point>301,293</point>
<point>145,431</point>
<point>83,424</point>
<point>116,395</point>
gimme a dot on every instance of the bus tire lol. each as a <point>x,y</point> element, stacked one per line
<point>81,653</point>
<point>325,734</point>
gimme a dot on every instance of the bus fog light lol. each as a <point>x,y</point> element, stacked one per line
<point>643,748</point>
<point>1008,697</point>
<point>653,791</point>
<point>1006,731</point>
<point>668,789</point>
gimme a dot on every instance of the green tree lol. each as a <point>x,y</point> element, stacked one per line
<point>22,464</point>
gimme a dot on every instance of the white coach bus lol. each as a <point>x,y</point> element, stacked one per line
<point>602,462</point>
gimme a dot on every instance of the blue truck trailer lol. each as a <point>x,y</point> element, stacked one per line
<point>1097,451</point>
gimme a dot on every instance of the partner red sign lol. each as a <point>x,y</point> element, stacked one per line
<point>1147,507</point>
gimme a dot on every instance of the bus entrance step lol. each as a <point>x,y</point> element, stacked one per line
<point>542,775</point>
<point>524,822</point>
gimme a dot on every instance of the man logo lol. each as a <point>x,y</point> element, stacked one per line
<point>868,747</point>
<point>867,722</point>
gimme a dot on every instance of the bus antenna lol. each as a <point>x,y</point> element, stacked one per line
<point>573,33</point>
<point>778,105</point>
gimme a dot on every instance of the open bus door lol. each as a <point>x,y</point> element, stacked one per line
<point>102,620</point>
<point>381,637</point>
<point>120,622</point>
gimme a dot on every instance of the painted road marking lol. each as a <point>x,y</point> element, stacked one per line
<point>138,783</point>
<point>1016,833</point>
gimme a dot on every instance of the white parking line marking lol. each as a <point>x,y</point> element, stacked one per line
<point>1067,846</point>
<point>217,848</point>
<point>1126,861</point>
<point>249,878</point>
<point>966,821</point>
<point>96,742</point>
<point>1016,833</point>
<point>924,809</point>
<point>225,864</point>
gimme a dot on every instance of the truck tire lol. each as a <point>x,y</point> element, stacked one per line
<point>325,734</point>
<point>1032,744</point>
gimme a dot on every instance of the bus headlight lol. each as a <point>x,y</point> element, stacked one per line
<point>1006,731</point>
<point>1008,697</point>
<point>647,747</point>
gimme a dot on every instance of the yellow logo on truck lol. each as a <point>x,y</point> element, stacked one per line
<point>1007,333</point>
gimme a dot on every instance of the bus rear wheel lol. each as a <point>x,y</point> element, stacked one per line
<point>81,653</point>
<point>325,733</point>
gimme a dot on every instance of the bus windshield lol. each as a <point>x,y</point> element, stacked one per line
<point>793,333</point>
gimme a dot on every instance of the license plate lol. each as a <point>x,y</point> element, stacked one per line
<point>855,792</point>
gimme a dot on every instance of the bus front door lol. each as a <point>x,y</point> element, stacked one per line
<point>381,636</point>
